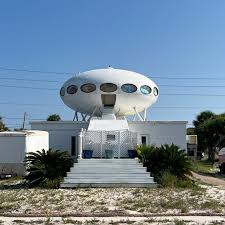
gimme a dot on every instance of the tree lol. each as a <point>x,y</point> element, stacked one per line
<point>202,117</point>
<point>54,117</point>
<point>210,129</point>
<point>2,126</point>
<point>198,129</point>
<point>190,131</point>
<point>214,134</point>
<point>47,166</point>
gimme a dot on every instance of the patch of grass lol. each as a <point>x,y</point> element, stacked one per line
<point>212,204</point>
<point>48,221</point>
<point>28,222</point>
<point>6,206</point>
<point>121,222</point>
<point>93,221</point>
<point>150,220</point>
<point>179,222</point>
<point>174,204</point>
<point>203,166</point>
<point>77,222</point>
<point>216,222</point>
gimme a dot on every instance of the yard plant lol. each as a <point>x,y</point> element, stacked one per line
<point>47,167</point>
<point>167,159</point>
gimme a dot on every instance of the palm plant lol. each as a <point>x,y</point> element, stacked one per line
<point>174,160</point>
<point>167,158</point>
<point>145,153</point>
<point>47,166</point>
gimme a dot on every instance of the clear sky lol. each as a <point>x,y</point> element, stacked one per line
<point>159,38</point>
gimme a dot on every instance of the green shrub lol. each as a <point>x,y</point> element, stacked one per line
<point>47,167</point>
<point>222,168</point>
<point>167,158</point>
<point>51,183</point>
<point>145,153</point>
<point>168,180</point>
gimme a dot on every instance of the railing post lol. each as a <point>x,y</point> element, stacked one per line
<point>80,144</point>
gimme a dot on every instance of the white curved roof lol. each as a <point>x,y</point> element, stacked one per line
<point>125,102</point>
<point>23,133</point>
<point>113,75</point>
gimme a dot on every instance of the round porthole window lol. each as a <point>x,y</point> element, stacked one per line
<point>108,87</point>
<point>155,91</point>
<point>145,89</point>
<point>72,89</point>
<point>87,88</point>
<point>62,91</point>
<point>129,88</point>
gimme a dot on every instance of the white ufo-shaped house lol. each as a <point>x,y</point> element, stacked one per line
<point>126,91</point>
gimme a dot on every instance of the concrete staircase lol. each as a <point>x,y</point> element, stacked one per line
<point>108,173</point>
<point>108,113</point>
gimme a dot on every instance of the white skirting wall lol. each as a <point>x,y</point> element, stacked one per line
<point>63,135</point>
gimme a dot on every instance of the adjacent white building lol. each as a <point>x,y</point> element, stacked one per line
<point>14,145</point>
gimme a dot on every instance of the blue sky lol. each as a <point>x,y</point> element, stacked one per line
<point>161,39</point>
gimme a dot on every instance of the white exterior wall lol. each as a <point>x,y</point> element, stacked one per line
<point>14,146</point>
<point>12,149</point>
<point>157,132</point>
<point>37,142</point>
<point>161,132</point>
<point>60,132</point>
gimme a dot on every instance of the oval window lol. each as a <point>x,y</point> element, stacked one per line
<point>62,91</point>
<point>128,88</point>
<point>87,88</point>
<point>145,89</point>
<point>108,87</point>
<point>72,89</point>
<point>155,91</point>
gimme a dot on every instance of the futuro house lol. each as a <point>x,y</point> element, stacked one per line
<point>126,92</point>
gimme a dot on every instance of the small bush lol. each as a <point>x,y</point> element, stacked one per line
<point>46,168</point>
<point>166,163</point>
<point>51,184</point>
<point>222,168</point>
<point>168,180</point>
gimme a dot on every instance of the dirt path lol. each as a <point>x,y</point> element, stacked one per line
<point>209,180</point>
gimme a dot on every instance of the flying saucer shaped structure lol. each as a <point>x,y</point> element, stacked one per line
<point>125,91</point>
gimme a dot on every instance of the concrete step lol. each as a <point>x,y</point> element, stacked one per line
<point>105,175</point>
<point>108,173</point>
<point>134,170</point>
<point>109,162</point>
<point>108,180</point>
<point>108,185</point>
<point>107,166</point>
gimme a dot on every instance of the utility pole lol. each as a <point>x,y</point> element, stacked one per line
<point>24,120</point>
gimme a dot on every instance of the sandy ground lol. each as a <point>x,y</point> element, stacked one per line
<point>209,180</point>
<point>123,205</point>
<point>178,220</point>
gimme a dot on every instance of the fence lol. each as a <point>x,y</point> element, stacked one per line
<point>118,141</point>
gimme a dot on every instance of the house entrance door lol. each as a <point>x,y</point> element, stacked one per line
<point>108,99</point>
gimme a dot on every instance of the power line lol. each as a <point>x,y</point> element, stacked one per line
<point>28,104</point>
<point>189,78</point>
<point>192,86</point>
<point>159,107</point>
<point>34,71</point>
<point>27,87</point>
<point>31,80</point>
<point>212,77</point>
